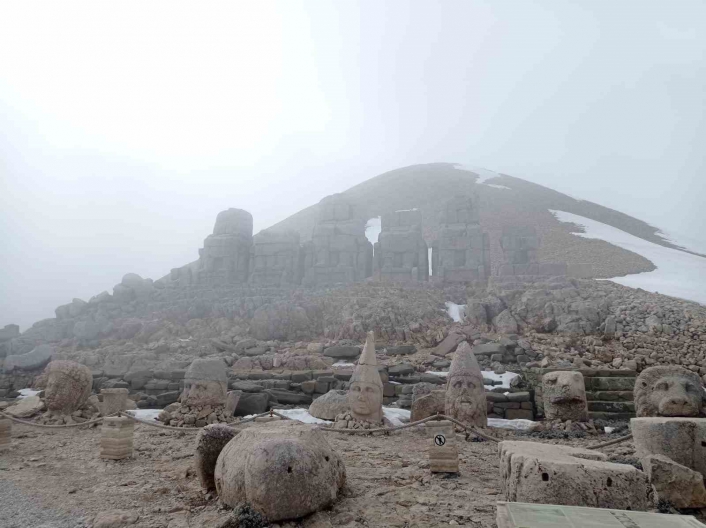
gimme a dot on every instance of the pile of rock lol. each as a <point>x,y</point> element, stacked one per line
<point>178,415</point>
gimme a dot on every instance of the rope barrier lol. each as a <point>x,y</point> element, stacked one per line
<point>65,426</point>
<point>194,429</point>
<point>611,442</point>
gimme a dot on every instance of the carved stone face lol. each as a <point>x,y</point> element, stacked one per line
<point>365,400</point>
<point>465,400</point>
<point>199,393</point>
<point>564,396</point>
<point>676,396</point>
<point>68,386</point>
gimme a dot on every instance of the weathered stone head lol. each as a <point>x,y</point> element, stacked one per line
<point>68,386</point>
<point>668,391</point>
<point>205,383</point>
<point>564,395</point>
<point>465,394</point>
<point>365,393</point>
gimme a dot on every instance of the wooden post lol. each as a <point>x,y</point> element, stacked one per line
<point>116,438</point>
<point>5,434</point>
<point>443,452</point>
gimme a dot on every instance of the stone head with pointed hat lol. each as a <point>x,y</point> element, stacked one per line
<point>465,394</point>
<point>365,393</point>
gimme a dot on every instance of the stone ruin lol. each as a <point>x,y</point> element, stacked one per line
<point>276,259</point>
<point>401,254</point>
<point>564,395</point>
<point>462,251</point>
<point>520,246</point>
<point>225,256</point>
<point>282,469</point>
<point>465,392</point>
<point>670,434</point>
<point>668,391</point>
<point>339,252</point>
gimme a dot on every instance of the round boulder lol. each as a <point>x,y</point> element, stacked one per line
<point>205,383</point>
<point>68,386</point>
<point>330,405</point>
<point>284,470</point>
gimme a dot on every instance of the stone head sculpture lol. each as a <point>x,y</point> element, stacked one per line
<point>68,386</point>
<point>365,393</point>
<point>564,395</point>
<point>465,394</point>
<point>205,383</point>
<point>668,391</point>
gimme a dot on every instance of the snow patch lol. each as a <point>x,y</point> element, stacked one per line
<point>396,416</point>
<point>343,364</point>
<point>145,414</point>
<point>505,378</point>
<point>515,425</point>
<point>456,311</point>
<point>497,186</point>
<point>26,393</point>
<point>373,228</point>
<point>301,415</point>
<point>483,174</point>
<point>678,274</point>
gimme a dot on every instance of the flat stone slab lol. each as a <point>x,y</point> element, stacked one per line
<point>681,439</point>
<point>553,474</point>
<point>521,515</point>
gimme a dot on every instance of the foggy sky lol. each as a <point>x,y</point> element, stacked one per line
<point>126,127</point>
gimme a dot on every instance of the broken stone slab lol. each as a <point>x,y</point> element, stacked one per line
<point>553,474</point>
<point>330,405</point>
<point>489,349</point>
<point>26,407</point>
<point>342,352</point>
<point>403,350</point>
<point>676,484</point>
<point>683,440</point>
<point>521,515</point>
<point>449,344</point>
<point>428,405</point>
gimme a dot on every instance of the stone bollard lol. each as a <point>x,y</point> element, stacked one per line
<point>443,452</point>
<point>114,400</point>
<point>116,438</point>
<point>5,434</point>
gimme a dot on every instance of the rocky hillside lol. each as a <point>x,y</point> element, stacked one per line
<point>504,201</point>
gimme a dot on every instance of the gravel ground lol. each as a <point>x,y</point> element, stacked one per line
<point>19,510</point>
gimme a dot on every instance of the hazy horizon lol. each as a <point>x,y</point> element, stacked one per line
<point>127,127</point>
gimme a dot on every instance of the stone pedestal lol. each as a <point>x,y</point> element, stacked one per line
<point>116,438</point>
<point>443,452</point>
<point>683,440</point>
<point>114,400</point>
<point>5,434</point>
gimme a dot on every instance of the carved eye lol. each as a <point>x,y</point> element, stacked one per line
<point>470,385</point>
<point>369,389</point>
<point>356,388</point>
<point>551,381</point>
<point>690,387</point>
<point>662,386</point>
<point>458,384</point>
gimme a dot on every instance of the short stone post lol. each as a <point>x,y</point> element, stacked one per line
<point>443,452</point>
<point>114,400</point>
<point>5,434</point>
<point>116,438</point>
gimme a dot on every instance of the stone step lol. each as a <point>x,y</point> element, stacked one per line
<point>610,396</point>
<point>609,384</point>
<point>611,406</point>
<point>610,416</point>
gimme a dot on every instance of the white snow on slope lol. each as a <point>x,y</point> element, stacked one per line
<point>483,174</point>
<point>497,186</point>
<point>678,274</point>
<point>505,379</point>
<point>456,311</point>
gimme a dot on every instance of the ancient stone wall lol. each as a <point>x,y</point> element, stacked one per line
<point>225,256</point>
<point>276,259</point>
<point>520,245</point>
<point>462,251</point>
<point>401,254</point>
<point>339,252</point>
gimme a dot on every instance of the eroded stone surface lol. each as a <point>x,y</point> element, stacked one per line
<point>681,439</point>
<point>668,390</point>
<point>330,405</point>
<point>209,443</point>
<point>365,393</point>
<point>283,469</point>
<point>553,474</point>
<point>68,386</point>
<point>564,395</point>
<point>465,394</point>
<point>678,485</point>
<point>205,383</point>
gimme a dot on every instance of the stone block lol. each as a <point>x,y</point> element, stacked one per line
<point>428,405</point>
<point>342,352</point>
<point>252,403</point>
<point>518,397</point>
<point>553,474</point>
<point>678,485</point>
<point>402,350</point>
<point>610,384</point>
<point>443,451</point>
<point>489,349</point>
<point>232,399</point>
<point>301,376</point>
<point>116,438</point>
<point>683,440</point>
<point>5,434</point>
<point>519,414</point>
<point>166,398</point>
<point>114,400</point>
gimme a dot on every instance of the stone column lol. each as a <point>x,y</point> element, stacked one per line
<point>114,400</point>
<point>116,438</point>
<point>5,434</point>
<point>443,452</point>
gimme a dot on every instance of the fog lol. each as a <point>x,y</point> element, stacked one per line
<point>126,127</point>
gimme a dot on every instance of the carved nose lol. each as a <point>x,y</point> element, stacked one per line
<point>678,401</point>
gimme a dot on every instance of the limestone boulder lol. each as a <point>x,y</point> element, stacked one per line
<point>553,474</point>
<point>683,440</point>
<point>26,407</point>
<point>330,405</point>
<point>209,443</point>
<point>68,386</point>
<point>676,484</point>
<point>428,405</point>
<point>283,469</point>
<point>33,360</point>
